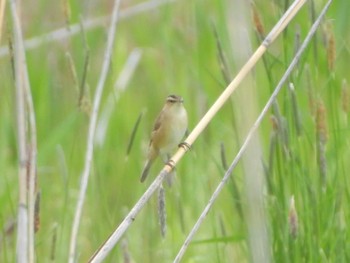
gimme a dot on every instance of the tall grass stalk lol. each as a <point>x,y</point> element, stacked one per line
<point>91,132</point>
<point>27,149</point>
<point>2,12</point>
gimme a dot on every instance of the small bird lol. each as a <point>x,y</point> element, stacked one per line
<point>169,128</point>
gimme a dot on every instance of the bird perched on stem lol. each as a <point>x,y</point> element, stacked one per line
<point>169,128</point>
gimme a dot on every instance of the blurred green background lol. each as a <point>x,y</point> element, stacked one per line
<point>305,148</point>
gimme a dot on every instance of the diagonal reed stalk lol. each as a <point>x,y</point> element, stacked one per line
<point>91,132</point>
<point>108,245</point>
<point>252,131</point>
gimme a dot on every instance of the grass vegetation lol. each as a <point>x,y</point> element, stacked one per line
<point>304,142</point>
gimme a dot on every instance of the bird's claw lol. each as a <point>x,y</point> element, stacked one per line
<point>171,163</point>
<point>185,145</point>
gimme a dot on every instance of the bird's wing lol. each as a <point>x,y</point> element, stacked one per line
<point>157,125</point>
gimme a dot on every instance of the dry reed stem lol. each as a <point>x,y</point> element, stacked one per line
<point>108,245</point>
<point>32,165</point>
<point>22,221</point>
<point>251,132</point>
<point>91,131</point>
<point>25,239</point>
<point>31,173</point>
<point>2,12</point>
<point>63,33</point>
<point>282,23</point>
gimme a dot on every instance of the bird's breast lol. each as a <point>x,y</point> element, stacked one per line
<point>173,130</point>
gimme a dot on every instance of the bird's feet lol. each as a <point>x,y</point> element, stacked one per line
<point>185,145</point>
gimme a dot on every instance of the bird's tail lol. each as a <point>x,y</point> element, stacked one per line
<point>145,170</point>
